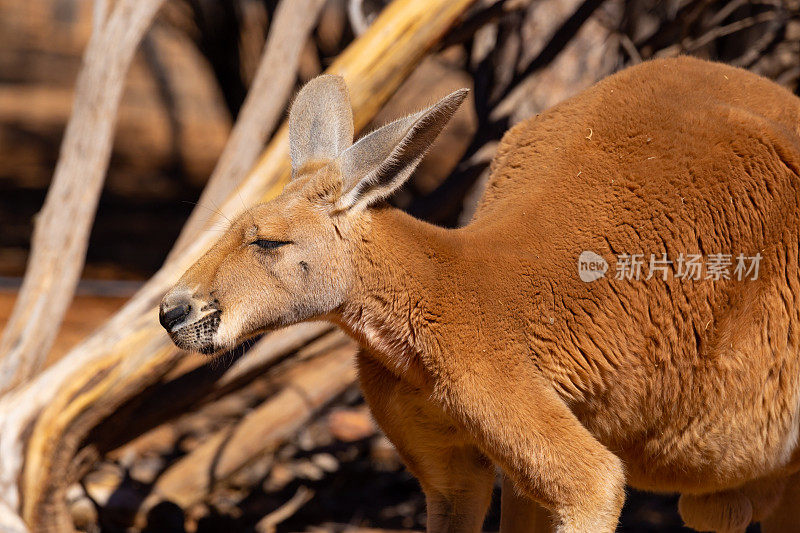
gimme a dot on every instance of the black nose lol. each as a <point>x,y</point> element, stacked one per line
<point>169,317</point>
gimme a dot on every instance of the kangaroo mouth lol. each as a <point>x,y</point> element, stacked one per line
<point>198,336</point>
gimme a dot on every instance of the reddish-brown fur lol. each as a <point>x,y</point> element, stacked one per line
<point>483,347</point>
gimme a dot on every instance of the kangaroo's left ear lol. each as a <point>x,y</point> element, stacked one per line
<point>320,121</point>
<point>382,161</point>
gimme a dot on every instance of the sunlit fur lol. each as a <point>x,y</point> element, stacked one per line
<point>483,347</point>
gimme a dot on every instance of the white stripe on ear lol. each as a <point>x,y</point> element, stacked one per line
<point>320,121</point>
<point>382,161</point>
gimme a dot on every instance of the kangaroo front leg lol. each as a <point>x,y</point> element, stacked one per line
<point>458,487</point>
<point>455,475</point>
<point>527,429</point>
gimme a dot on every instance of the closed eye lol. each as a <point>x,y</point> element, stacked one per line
<point>267,244</point>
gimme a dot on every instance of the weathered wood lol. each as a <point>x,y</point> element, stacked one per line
<point>263,107</point>
<point>62,228</point>
<point>10,522</point>
<point>45,422</point>
<point>193,383</point>
<point>305,389</point>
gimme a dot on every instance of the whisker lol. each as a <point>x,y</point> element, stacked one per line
<point>220,211</point>
<point>214,210</point>
<point>239,194</point>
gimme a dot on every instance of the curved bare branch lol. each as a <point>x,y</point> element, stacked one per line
<point>263,107</point>
<point>61,232</point>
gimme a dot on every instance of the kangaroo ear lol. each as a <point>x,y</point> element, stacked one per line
<point>320,121</point>
<point>382,161</point>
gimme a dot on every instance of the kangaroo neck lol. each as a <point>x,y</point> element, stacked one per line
<point>404,268</point>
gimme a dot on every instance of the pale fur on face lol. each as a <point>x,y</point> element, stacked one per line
<point>258,290</point>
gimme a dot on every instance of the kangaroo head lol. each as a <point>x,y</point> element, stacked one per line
<point>290,259</point>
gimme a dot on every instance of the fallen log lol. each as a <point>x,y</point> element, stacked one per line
<point>196,382</point>
<point>45,423</point>
<point>305,389</point>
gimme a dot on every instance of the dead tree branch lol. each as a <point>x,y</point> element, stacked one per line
<point>10,522</point>
<point>358,20</point>
<point>300,498</point>
<point>263,107</point>
<point>62,228</point>
<point>308,387</point>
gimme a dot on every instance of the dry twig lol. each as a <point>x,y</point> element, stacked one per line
<point>300,498</point>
